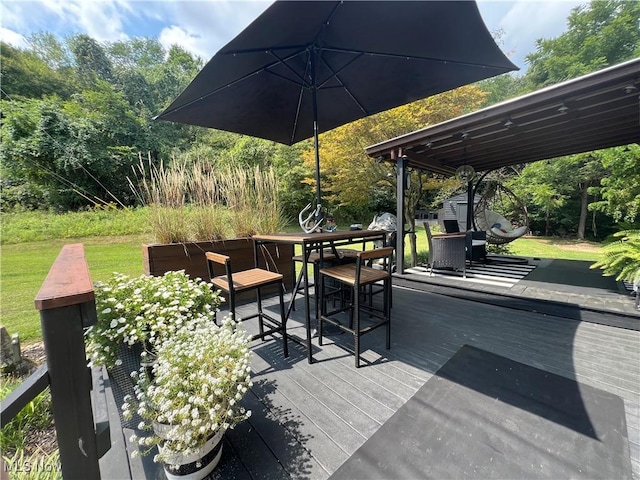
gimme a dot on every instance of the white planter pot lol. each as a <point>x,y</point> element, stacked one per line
<point>196,465</point>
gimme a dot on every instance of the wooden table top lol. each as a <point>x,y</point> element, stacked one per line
<point>302,237</point>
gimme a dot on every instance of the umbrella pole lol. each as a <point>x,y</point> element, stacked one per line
<point>314,101</point>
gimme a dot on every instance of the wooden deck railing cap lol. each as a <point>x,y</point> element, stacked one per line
<point>68,282</point>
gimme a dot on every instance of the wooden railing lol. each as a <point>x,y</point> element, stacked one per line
<point>67,307</point>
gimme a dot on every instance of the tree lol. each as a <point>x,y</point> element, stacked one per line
<point>27,75</point>
<point>619,189</point>
<point>51,51</point>
<point>79,150</point>
<point>599,34</point>
<point>349,176</point>
<point>541,186</point>
<point>91,60</point>
<point>603,33</point>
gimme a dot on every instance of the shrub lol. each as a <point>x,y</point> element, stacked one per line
<point>145,310</point>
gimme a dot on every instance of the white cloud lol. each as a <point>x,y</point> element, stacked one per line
<point>13,38</point>
<point>175,35</point>
<point>203,27</point>
<point>525,21</point>
<point>101,20</point>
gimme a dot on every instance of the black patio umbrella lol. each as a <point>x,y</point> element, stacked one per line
<point>302,68</point>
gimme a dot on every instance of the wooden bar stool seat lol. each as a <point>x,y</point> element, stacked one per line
<point>357,275</point>
<point>233,283</point>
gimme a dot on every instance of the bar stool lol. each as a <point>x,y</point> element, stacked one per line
<point>314,259</point>
<point>247,280</point>
<point>356,275</point>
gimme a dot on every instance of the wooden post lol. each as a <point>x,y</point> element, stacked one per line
<point>67,305</point>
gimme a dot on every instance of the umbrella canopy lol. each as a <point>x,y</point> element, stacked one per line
<point>302,68</point>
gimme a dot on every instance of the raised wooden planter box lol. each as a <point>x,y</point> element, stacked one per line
<point>161,258</point>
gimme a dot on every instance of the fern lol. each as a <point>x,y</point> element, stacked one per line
<point>622,257</point>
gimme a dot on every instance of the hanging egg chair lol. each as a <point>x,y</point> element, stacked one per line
<point>496,204</point>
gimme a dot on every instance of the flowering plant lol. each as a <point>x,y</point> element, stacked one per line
<point>145,310</point>
<point>198,379</point>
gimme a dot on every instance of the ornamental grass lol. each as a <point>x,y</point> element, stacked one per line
<point>204,202</point>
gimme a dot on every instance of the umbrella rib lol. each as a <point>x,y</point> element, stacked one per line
<point>283,61</point>
<point>334,74</point>
<point>412,57</point>
<point>299,107</point>
<point>248,75</point>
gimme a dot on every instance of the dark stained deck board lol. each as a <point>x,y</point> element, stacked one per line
<point>598,355</point>
<point>311,418</point>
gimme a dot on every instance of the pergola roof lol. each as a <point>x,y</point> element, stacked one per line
<point>595,111</point>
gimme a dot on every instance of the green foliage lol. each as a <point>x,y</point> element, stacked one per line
<point>622,257</point>
<point>91,60</point>
<point>620,188</point>
<point>36,415</point>
<point>554,191</point>
<point>24,74</point>
<point>73,149</point>
<point>54,53</point>
<point>76,115</point>
<point>501,88</point>
<point>602,33</point>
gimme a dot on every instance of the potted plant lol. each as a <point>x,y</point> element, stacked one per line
<point>135,315</point>
<point>192,396</point>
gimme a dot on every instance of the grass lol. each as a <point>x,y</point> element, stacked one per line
<point>543,247</point>
<point>25,266</point>
<point>546,247</point>
<point>34,226</point>
<point>36,415</point>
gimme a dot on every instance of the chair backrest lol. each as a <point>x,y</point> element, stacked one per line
<point>375,253</point>
<point>224,261</point>
<point>429,235</point>
<point>385,253</point>
<point>451,226</point>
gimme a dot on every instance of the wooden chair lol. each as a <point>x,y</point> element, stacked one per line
<point>247,280</point>
<point>357,275</point>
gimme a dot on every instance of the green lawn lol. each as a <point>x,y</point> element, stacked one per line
<point>544,247</point>
<point>25,265</point>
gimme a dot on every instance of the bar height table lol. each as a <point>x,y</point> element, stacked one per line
<point>317,241</point>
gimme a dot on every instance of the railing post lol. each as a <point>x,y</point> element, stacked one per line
<point>66,304</point>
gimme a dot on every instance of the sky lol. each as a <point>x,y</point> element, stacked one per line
<point>204,26</point>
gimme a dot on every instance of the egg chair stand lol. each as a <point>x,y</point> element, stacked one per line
<point>486,217</point>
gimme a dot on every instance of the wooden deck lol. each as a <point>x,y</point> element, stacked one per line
<point>308,419</point>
